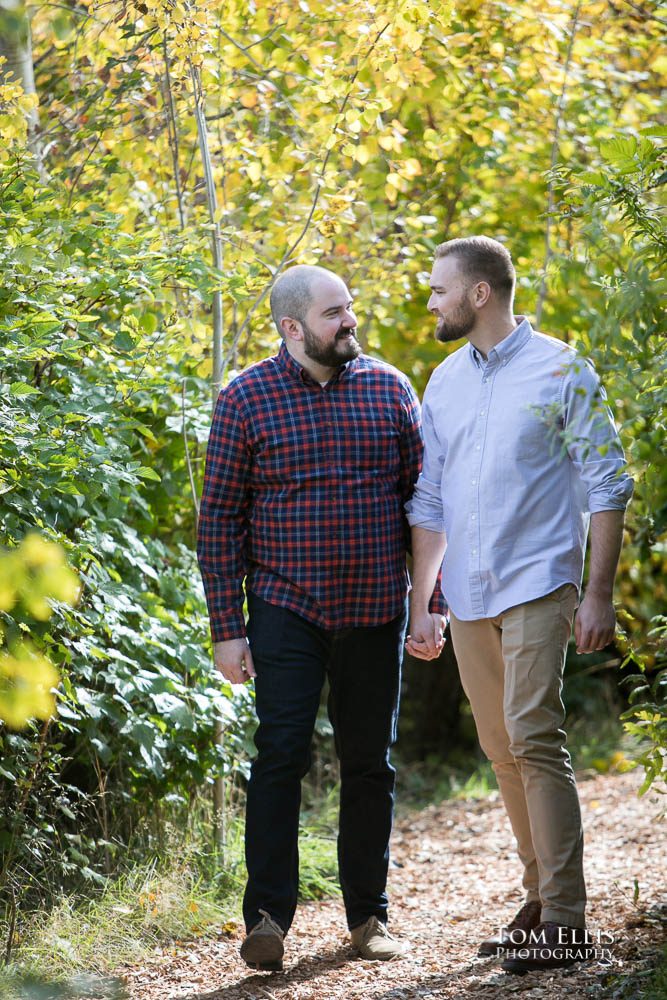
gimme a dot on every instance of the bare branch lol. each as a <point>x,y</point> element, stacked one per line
<point>646,14</point>
<point>77,176</point>
<point>193,489</point>
<point>548,252</point>
<point>216,242</point>
<point>318,180</point>
<point>172,127</point>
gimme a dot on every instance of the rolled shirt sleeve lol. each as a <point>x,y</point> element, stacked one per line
<point>413,456</point>
<point>425,508</point>
<point>592,441</point>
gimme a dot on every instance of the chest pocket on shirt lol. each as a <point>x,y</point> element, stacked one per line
<point>533,430</point>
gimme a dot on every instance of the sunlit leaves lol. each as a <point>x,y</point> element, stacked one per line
<point>27,680</point>
<point>34,573</point>
<point>622,208</point>
<point>32,577</point>
<point>355,134</point>
<point>15,112</point>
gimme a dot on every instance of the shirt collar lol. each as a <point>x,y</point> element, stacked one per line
<point>508,346</point>
<point>287,363</point>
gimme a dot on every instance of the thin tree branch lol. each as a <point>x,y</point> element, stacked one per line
<point>193,489</point>
<point>262,72</point>
<point>548,252</point>
<point>216,242</point>
<point>306,226</point>
<point>172,129</point>
<point>77,176</point>
<point>646,14</point>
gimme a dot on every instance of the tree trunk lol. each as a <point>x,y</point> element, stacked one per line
<point>16,49</point>
<point>219,797</point>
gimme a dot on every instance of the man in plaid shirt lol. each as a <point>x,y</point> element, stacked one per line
<point>311,457</point>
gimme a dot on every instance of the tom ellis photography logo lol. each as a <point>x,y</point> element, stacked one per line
<point>573,944</point>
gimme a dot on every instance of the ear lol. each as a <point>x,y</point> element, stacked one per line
<point>291,328</point>
<point>481,293</point>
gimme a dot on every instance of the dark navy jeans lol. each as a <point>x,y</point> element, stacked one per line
<point>292,658</point>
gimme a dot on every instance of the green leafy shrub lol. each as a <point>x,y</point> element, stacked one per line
<point>621,207</point>
<point>92,417</point>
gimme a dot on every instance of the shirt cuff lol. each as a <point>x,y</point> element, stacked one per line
<point>227,625</point>
<point>417,520</point>
<point>438,605</point>
<point>602,502</point>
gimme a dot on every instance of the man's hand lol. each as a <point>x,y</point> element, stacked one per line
<point>234,660</point>
<point>595,624</point>
<point>426,638</point>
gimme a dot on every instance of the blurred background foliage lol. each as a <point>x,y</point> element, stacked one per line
<point>161,161</point>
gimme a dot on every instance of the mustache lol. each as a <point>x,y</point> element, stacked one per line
<point>345,331</point>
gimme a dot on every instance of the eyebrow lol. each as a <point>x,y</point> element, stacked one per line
<point>337,308</point>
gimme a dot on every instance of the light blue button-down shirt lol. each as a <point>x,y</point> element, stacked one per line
<point>520,450</point>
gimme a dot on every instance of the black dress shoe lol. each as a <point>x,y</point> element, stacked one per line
<point>516,933</point>
<point>550,946</point>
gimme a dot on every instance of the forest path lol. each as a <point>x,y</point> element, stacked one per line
<point>453,880</point>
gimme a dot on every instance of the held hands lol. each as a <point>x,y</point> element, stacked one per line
<point>234,660</point>
<point>595,624</point>
<point>426,638</point>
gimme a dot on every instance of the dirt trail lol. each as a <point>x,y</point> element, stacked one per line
<point>453,880</point>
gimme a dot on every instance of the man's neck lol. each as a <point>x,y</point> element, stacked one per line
<point>490,332</point>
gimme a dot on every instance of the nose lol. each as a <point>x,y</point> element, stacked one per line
<point>349,320</point>
<point>429,304</point>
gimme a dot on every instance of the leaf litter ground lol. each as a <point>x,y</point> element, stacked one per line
<point>454,879</point>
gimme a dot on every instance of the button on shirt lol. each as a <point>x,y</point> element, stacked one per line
<point>519,450</point>
<point>304,492</point>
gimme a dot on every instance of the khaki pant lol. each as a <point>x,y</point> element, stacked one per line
<point>512,670</point>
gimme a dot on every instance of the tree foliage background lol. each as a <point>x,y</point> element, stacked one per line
<point>161,162</point>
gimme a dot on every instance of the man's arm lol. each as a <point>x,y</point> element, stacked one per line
<point>424,511</point>
<point>595,449</point>
<point>595,623</point>
<point>221,538</point>
<point>412,455</point>
<point>410,442</point>
<point>425,640</point>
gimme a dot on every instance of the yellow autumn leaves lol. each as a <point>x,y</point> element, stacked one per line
<point>15,111</point>
<point>31,578</point>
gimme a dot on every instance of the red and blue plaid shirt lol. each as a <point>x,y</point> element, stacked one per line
<point>304,492</point>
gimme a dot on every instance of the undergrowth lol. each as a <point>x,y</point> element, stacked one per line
<point>185,893</point>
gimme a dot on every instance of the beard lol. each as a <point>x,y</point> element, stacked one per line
<point>460,322</point>
<point>344,347</point>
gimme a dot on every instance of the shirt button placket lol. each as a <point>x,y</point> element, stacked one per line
<point>334,463</point>
<point>474,535</point>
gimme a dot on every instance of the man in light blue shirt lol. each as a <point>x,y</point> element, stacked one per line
<point>521,456</point>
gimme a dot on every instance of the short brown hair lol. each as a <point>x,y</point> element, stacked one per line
<point>482,259</point>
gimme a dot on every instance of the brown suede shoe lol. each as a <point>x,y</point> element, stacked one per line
<point>373,941</point>
<point>516,933</point>
<point>550,946</point>
<point>263,947</point>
